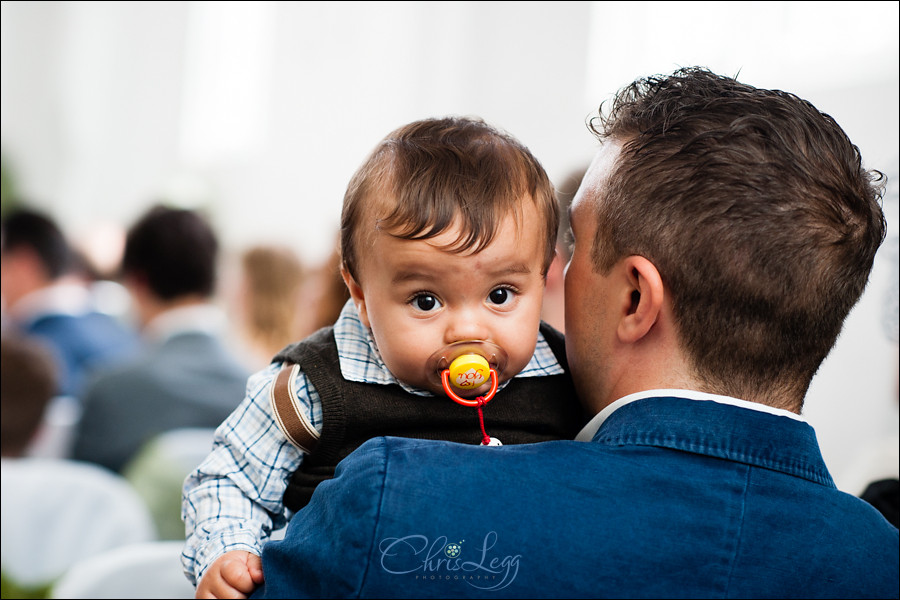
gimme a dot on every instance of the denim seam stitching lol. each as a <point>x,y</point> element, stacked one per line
<point>379,511</point>
<point>739,537</point>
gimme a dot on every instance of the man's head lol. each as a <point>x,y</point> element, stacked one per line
<point>755,210</point>
<point>172,253</point>
<point>35,253</point>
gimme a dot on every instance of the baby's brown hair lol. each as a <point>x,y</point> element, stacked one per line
<point>430,174</point>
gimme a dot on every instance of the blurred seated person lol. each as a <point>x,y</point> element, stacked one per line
<point>268,298</point>
<point>325,294</point>
<point>27,384</point>
<point>187,375</point>
<point>44,298</point>
<point>53,511</point>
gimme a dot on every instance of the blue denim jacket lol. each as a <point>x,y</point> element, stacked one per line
<point>674,498</point>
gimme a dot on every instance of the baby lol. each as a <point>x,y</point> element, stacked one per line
<point>447,232</point>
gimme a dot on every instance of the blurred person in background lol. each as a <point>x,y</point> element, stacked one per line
<point>54,511</point>
<point>267,296</point>
<point>187,375</point>
<point>325,293</point>
<point>45,297</point>
<point>28,381</point>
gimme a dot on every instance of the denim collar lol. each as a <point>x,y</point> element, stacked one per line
<point>719,430</point>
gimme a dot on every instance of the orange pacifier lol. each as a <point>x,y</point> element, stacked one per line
<point>470,368</point>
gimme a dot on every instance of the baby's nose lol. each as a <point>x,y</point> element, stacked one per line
<point>465,325</point>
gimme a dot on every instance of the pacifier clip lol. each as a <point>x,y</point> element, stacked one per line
<point>470,371</point>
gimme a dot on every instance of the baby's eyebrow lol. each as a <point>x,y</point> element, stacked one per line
<point>514,269</point>
<point>404,276</point>
<point>412,275</point>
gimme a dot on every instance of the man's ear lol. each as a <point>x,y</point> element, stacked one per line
<point>646,299</point>
<point>357,294</point>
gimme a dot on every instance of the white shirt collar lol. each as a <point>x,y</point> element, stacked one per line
<point>587,433</point>
<point>63,298</point>
<point>204,318</point>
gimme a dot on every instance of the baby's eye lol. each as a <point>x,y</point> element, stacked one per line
<point>425,302</point>
<point>500,296</point>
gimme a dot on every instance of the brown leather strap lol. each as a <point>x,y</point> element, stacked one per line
<point>291,420</point>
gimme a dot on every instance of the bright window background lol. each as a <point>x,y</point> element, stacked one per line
<point>261,111</point>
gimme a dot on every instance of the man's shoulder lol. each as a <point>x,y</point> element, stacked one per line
<point>197,352</point>
<point>407,458</point>
<point>109,383</point>
<point>149,368</point>
<point>91,326</point>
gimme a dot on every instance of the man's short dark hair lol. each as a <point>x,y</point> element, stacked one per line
<point>756,210</point>
<point>32,229</point>
<point>174,251</point>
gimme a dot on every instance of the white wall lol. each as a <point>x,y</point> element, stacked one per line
<point>105,106</point>
<point>260,112</point>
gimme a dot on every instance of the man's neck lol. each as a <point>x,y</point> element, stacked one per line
<point>151,308</point>
<point>197,316</point>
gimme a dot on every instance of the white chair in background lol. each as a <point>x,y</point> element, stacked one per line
<point>56,512</point>
<point>148,570</point>
<point>56,432</point>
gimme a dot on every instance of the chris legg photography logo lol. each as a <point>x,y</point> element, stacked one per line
<point>475,562</point>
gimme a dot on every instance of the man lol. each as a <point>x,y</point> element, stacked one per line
<point>187,377</point>
<point>722,234</point>
<point>46,300</point>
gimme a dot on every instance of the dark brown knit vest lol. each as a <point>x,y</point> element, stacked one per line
<point>527,410</point>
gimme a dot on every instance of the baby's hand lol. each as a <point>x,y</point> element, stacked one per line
<point>235,574</point>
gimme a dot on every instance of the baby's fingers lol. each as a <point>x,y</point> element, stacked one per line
<point>254,564</point>
<point>214,585</point>
<point>236,572</point>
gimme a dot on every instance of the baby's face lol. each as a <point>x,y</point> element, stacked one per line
<point>417,298</point>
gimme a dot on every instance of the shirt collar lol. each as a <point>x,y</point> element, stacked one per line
<point>63,298</point>
<point>587,433</point>
<point>203,318</point>
<point>361,361</point>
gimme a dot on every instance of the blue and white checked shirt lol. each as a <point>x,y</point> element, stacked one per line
<point>234,499</point>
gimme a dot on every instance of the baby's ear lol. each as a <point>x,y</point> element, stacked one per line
<point>358,296</point>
